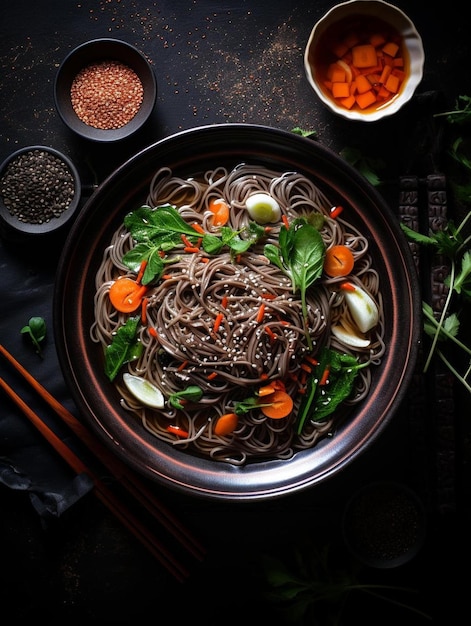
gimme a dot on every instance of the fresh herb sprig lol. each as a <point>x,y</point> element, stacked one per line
<point>450,243</point>
<point>455,245</point>
<point>36,330</point>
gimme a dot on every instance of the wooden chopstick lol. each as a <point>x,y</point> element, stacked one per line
<point>126,477</point>
<point>102,491</point>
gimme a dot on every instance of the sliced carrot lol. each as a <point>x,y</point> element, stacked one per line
<point>338,261</point>
<point>365,100</point>
<point>340,90</point>
<point>220,210</point>
<point>273,336</point>
<point>324,379</point>
<point>347,102</point>
<point>176,430</point>
<point>226,424</point>
<point>362,83</point>
<point>336,73</point>
<point>281,405</point>
<point>198,228</point>
<point>391,48</point>
<point>144,304</point>
<point>385,73</point>
<point>266,390</point>
<point>261,313</point>
<point>335,211</point>
<point>126,295</point>
<point>392,84</point>
<point>377,39</point>
<point>217,322</point>
<point>364,56</point>
<point>142,269</point>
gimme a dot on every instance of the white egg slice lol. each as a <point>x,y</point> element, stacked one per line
<point>263,209</point>
<point>144,391</point>
<point>349,337</point>
<point>363,308</point>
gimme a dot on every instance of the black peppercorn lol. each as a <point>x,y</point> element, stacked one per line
<point>37,186</point>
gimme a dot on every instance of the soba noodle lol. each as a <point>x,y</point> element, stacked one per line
<point>231,364</point>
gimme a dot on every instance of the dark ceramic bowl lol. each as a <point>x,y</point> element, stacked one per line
<point>384,524</point>
<point>82,360</point>
<point>97,51</point>
<point>33,192</point>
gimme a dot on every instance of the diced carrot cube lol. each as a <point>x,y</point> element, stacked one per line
<point>365,99</point>
<point>373,78</point>
<point>336,74</point>
<point>399,73</point>
<point>398,62</point>
<point>377,39</point>
<point>392,83</point>
<point>385,73</point>
<point>391,48</point>
<point>362,83</point>
<point>340,90</point>
<point>364,56</point>
<point>347,102</point>
<point>383,93</point>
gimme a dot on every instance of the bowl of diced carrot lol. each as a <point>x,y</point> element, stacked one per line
<point>364,59</point>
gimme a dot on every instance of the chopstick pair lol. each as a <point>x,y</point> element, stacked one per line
<point>126,477</point>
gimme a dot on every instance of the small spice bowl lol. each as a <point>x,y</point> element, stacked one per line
<point>364,59</point>
<point>40,192</point>
<point>105,90</point>
<point>384,524</point>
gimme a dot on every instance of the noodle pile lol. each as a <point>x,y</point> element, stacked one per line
<point>244,353</point>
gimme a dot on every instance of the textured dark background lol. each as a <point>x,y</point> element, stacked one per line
<point>215,62</point>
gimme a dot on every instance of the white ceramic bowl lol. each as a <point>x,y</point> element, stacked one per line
<point>354,12</point>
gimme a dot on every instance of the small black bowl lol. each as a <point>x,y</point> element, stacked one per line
<point>384,524</point>
<point>97,51</point>
<point>27,181</point>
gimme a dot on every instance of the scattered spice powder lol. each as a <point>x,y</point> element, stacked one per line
<point>37,186</point>
<point>106,95</point>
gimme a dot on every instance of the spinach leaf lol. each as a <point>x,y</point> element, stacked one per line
<point>300,255</point>
<point>320,401</point>
<point>192,393</point>
<point>123,348</point>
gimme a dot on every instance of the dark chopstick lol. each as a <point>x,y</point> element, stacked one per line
<point>126,477</point>
<point>104,494</point>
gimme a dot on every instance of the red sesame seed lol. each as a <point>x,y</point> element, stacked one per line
<point>106,95</point>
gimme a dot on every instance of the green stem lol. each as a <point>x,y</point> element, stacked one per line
<point>442,318</point>
<point>454,372</point>
<point>444,331</point>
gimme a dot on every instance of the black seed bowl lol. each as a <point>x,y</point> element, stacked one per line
<point>384,524</point>
<point>40,191</point>
<point>99,51</point>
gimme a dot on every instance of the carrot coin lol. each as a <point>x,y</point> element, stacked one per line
<point>281,405</point>
<point>338,261</point>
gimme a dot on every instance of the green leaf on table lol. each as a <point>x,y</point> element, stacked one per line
<point>36,330</point>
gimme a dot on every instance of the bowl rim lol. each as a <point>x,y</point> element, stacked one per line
<point>93,394</point>
<point>55,223</point>
<point>412,40</point>
<point>104,48</point>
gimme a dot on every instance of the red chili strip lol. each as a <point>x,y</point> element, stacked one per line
<point>142,269</point>
<point>335,211</point>
<point>176,430</point>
